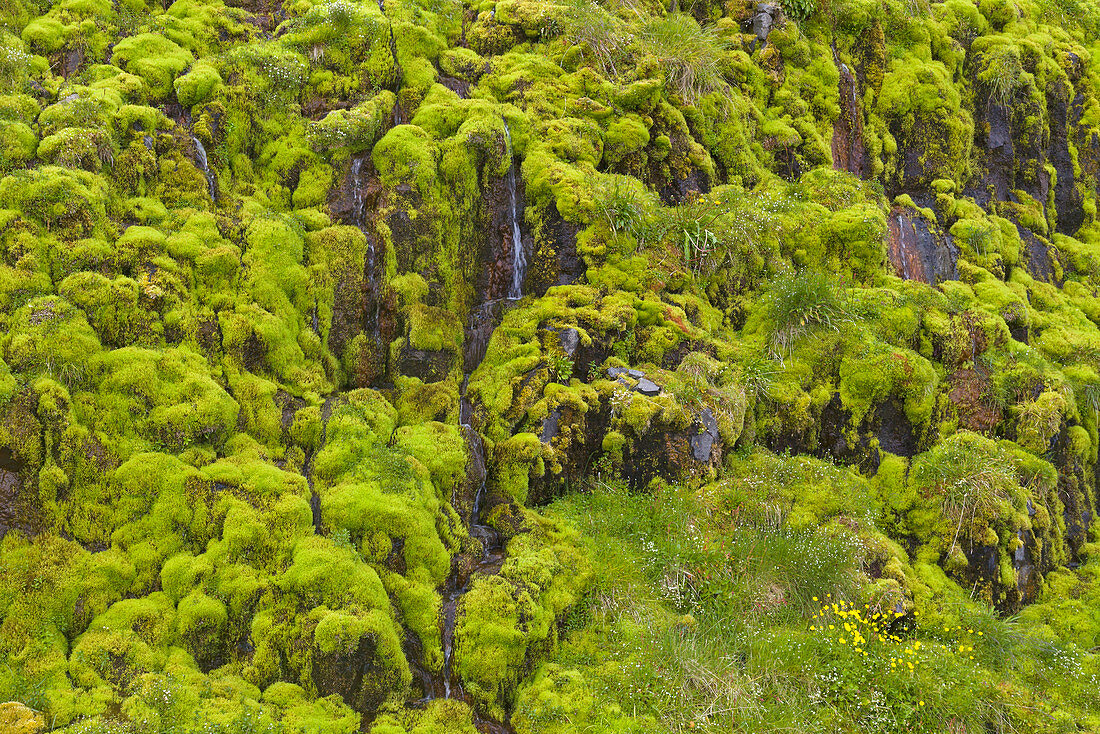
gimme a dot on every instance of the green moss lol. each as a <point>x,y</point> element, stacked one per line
<point>198,85</point>
<point>154,58</point>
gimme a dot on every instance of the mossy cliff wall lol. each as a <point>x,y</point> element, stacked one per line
<point>254,276</point>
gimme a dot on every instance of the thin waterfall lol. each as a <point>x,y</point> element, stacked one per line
<point>519,258</point>
<point>903,247</point>
<point>204,166</point>
<point>359,219</point>
<point>357,189</point>
<point>358,216</point>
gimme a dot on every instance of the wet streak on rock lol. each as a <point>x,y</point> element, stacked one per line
<point>918,253</point>
<point>307,470</point>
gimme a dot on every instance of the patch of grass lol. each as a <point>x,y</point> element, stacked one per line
<point>800,303</point>
<point>689,54</point>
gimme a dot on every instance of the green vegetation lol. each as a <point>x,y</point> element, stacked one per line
<point>795,424</point>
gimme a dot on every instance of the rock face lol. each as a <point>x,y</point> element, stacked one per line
<point>917,252</point>
<point>702,444</point>
<point>761,22</point>
<point>848,149</point>
<point>18,510</point>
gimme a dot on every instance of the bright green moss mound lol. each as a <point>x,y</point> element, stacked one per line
<point>802,321</point>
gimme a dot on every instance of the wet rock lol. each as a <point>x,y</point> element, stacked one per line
<point>919,253</point>
<point>1040,256</point>
<point>71,62</point>
<point>479,329</point>
<point>551,426</point>
<point>1002,152</point>
<point>895,432</point>
<point>647,387</point>
<point>570,340</point>
<point>428,366</point>
<point>19,509</point>
<point>555,260</point>
<point>461,87</point>
<point>1068,199</point>
<point>849,151</point>
<point>703,443</point>
<point>967,392</point>
<point>1027,580</point>
<point>342,673</point>
<point>685,187</point>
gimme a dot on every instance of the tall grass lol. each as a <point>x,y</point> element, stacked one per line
<point>799,303</point>
<point>689,54</point>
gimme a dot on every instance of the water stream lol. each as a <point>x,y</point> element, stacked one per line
<point>359,219</point>
<point>519,257</point>
<point>447,683</point>
<point>204,166</point>
<point>904,248</point>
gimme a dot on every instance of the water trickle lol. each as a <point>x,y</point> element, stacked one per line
<point>204,166</point>
<point>904,245</point>
<point>357,188</point>
<point>519,257</point>
<point>492,558</point>
<point>359,215</point>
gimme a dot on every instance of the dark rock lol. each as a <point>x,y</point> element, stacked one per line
<point>703,443</point>
<point>341,672</point>
<point>919,253</point>
<point>461,87</point>
<point>72,61</point>
<point>551,426</point>
<point>570,340</point>
<point>465,494</point>
<point>395,560</point>
<point>555,261</point>
<point>849,151</point>
<point>613,372</point>
<point>1040,256</point>
<point>1068,200</point>
<point>683,188</point>
<point>479,328</point>
<point>761,22</point>
<point>895,432</point>
<point>1000,132</point>
<point>426,365</point>
<point>648,387</point>
<point>636,374</point>
<point>1027,580</point>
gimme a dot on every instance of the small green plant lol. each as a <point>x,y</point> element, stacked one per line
<point>700,231</point>
<point>800,303</point>
<point>969,474</point>
<point>689,54</point>
<point>757,375</point>
<point>1003,72</point>
<point>560,366</point>
<point>799,9</point>
<point>622,207</point>
<point>603,37</point>
<point>341,538</point>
